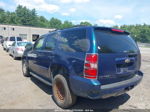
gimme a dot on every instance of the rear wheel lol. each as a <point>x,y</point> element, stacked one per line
<point>9,53</point>
<point>14,57</point>
<point>7,50</point>
<point>62,95</point>
<point>25,69</point>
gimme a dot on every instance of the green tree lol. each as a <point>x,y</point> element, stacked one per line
<point>86,23</point>
<point>139,32</point>
<point>26,16</point>
<point>43,22</point>
<point>55,23</point>
<point>12,18</point>
<point>3,17</point>
<point>1,10</point>
<point>67,24</point>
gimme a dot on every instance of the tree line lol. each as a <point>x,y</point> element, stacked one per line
<point>27,17</point>
<point>141,33</point>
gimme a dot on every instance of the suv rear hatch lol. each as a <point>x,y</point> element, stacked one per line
<point>118,55</point>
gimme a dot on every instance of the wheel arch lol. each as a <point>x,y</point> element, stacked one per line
<point>59,69</point>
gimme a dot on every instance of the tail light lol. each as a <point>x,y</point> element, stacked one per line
<point>19,49</point>
<point>91,66</point>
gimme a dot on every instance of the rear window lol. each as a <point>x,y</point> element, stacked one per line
<point>19,39</point>
<point>113,42</point>
<point>73,40</point>
<point>12,39</point>
<point>22,43</point>
<point>1,37</point>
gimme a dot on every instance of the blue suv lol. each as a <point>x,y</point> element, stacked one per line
<point>86,61</point>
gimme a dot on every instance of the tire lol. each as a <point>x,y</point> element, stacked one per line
<point>25,69</point>
<point>7,50</point>
<point>14,57</point>
<point>62,95</point>
<point>9,53</point>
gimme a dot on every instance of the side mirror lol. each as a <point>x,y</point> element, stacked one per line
<point>29,46</point>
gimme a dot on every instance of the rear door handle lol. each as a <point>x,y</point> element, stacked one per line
<point>32,55</point>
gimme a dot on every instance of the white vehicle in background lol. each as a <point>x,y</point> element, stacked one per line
<point>17,49</point>
<point>9,41</point>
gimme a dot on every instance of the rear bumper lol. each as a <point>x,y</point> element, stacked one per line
<point>18,54</point>
<point>94,90</point>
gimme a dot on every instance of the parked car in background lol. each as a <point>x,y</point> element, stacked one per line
<point>1,38</point>
<point>91,62</point>
<point>9,41</point>
<point>17,49</point>
<point>4,39</point>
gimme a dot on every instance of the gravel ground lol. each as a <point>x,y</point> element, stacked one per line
<point>18,92</point>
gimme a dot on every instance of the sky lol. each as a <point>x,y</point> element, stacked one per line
<point>101,12</point>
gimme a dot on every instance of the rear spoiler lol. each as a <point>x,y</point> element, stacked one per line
<point>113,30</point>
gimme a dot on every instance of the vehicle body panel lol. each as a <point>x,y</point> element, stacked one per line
<point>9,41</point>
<point>113,68</point>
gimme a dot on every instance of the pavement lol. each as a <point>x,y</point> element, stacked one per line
<point>19,92</point>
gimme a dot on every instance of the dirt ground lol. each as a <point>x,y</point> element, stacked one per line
<point>18,92</point>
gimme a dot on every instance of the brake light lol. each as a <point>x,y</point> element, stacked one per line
<point>91,66</point>
<point>117,30</point>
<point>19,49</point>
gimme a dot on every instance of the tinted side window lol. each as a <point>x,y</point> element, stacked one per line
<point>14,44</point>
<point>39,44</point>
<point>12,38</point>
<point>5,39</point>
<point>50,43</point>
<point>19,39</point>
<point>74,41</point>
<point>1,37</point>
